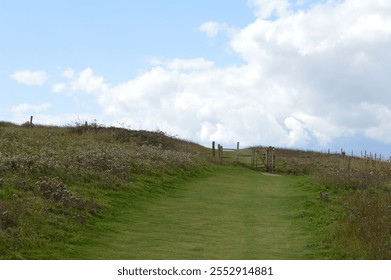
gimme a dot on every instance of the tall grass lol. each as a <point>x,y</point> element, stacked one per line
<point>364,185</point>
<point>55,180</point>
<point>360,187</point>
<point>365,231</point>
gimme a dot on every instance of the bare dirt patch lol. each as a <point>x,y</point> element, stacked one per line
<point>271,174</point>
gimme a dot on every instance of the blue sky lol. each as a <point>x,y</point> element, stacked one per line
<point>113,37</point>
<point>302,74</point>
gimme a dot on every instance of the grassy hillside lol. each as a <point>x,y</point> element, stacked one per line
<point>54,181</point>
<point>64,190</point>
<point>360,188</point>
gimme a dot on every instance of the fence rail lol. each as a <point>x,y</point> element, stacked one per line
<point>271,159</point>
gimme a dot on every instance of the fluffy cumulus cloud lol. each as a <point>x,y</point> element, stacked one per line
<point>25,108</point>
<point>213,28</point>
<point>84,82</point>
<point>308,76</point>
<point>31,78</point>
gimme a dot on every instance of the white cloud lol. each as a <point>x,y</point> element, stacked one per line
<point>31,78</point>
<point>308,78</point>
<point>213,28</point>
<point>25,108</point>
<point>88,82</point>
<point>68,73</point>
<point>183,64</point>
<point>297,131</point>
<point>60,87</point>
<point>379,127</point>
<point>85,81</point>
<point>269,8</point>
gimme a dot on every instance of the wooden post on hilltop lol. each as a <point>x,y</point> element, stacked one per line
<point>253,158</point>
<point>273,160</point>
<point>213,150</point>
<point>267,159</point>
<point>237,152</point>
<point>220,152</point>
<point>31,121</point>
<point>270,159</point>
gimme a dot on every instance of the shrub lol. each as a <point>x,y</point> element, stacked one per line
<point>8,216</point>
<point>54,190</point>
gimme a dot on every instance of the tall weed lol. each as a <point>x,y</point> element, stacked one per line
<point>364,232</point>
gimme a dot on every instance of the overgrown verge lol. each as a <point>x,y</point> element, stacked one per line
<point>358,188</point>
<point>363,186</point>
<point>54,181</point>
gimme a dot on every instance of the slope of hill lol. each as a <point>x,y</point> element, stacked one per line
<point>57,184</point>
<point>54,180</point>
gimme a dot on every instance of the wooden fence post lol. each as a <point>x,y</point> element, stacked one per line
<point>268,158</point>
<point>221,153</point>
<point>253,159</point>
<point>31,121</point>
<point>237,152</point>
<point>213,150</point>
<point>273,160</point>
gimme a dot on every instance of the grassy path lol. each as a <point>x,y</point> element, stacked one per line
<point>233,214</point>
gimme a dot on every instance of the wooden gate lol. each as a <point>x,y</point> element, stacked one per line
<point>260,159</point>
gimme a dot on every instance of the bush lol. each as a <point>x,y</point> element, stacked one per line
<point>55,190</point>
<point>8,216</point>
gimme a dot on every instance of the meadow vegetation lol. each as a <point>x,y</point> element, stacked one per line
<point>361,188</point>
<point>59,185</point>
<point>55,180</point>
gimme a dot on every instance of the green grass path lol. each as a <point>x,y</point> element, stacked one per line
<point>234,213</point>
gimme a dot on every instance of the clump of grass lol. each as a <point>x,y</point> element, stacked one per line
<point>8,216</point>
<point>365,231</point>
<point>55,190</point>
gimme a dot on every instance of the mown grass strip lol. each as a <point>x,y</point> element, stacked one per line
<point>233,213</point>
